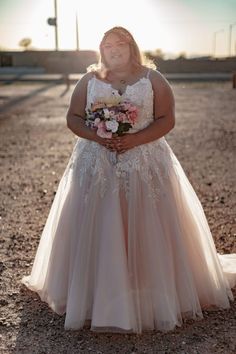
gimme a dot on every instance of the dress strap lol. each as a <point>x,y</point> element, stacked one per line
<point>148,73</point>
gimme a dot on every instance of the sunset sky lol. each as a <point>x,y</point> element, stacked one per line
<point>174,26</point>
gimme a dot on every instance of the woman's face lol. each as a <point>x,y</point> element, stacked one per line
<point>116,51</point>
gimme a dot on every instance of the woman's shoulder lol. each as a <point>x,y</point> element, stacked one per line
<point>159,82</point>
<point>86,77</point>
<point>157,77</point>
<point>82,83</point>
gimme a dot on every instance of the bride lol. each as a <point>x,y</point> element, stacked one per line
<point>126,246</point>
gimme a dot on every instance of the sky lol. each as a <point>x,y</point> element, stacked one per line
<point>174,26</point>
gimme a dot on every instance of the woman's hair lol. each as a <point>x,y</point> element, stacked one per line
<point>137,58</point>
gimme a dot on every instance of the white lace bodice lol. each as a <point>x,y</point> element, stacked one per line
<point>152,161</point>
<point>140,94</point>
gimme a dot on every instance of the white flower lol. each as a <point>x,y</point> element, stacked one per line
<point>112,114</point>
<point>106,113</point>
<point>112,125</point>
<point>97,121</point>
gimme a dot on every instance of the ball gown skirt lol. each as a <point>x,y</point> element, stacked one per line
<point>126,246</point>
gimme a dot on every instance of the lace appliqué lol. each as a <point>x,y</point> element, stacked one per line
<point>151,164</point>
<point>95,166</point>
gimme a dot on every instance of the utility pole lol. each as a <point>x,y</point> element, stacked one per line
<point>214,41</point>
<point>56,24</point>
<point>77,30</point>
<point>230,36</point>
<point>52,21</point>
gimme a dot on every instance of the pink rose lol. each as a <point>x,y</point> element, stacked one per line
<point>132,116</point>
<point>101,125</point>
<point>104,134</point>
<point>121,117</point>
<point>102,131</point>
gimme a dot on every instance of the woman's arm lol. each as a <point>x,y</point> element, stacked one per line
<point>164,116</point>
<point>76,112</point>
<point>164,110</point>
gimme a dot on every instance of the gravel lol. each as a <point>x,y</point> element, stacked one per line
<point>35,146</point>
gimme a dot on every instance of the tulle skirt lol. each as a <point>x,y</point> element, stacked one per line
<point>126,246</point>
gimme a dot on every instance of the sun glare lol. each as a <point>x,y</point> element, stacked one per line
<point>173,26</point>
<point>96,17</point>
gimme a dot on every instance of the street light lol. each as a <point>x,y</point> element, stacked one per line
<point>77,30</point>
<point>214,41</point>
<point>230,36</point>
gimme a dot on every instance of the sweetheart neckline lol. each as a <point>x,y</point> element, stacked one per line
<point>127,86</point>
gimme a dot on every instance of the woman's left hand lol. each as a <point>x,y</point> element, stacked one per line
<point>122,143</point>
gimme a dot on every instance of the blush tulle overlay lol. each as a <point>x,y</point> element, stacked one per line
<point>126,246</point>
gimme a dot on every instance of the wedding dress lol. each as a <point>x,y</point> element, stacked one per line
<point>126,246</point>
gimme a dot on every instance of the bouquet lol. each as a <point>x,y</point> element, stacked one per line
<point>111,116</point>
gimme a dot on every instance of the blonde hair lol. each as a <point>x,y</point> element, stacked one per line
<point>137,58</point>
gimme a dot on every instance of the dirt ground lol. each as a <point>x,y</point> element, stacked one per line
<point>35,146</point>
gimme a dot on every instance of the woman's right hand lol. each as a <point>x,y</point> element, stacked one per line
<point>107,143</point>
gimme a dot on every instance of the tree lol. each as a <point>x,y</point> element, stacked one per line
<point>2,48</point>
<point>154,54</point>
<point>182,55</point>
<point>25,43</point>
<point>158,53</point>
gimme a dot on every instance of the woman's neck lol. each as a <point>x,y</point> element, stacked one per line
<point>122,72</point>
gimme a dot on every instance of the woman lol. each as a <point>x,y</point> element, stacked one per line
<point>126,246</point>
